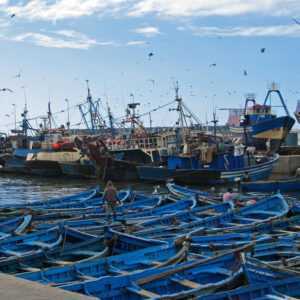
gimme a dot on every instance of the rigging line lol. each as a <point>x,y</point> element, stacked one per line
<point>150,111</point>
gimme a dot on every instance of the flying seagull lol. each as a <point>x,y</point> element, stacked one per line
<point>6,90</point>
<point>296,21</point>
<point>17,75</point>
<point>150,55</point>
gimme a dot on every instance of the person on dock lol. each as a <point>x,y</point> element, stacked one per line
<point>111,200</point>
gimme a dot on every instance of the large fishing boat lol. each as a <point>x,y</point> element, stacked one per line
<point>222,168</point>
<point>260,126</point>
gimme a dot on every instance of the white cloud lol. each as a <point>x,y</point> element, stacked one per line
<point>148,31</point>
<point>67,39</point>
<point>187,8</point>
<point>63,9</point>
<point>254,31</point>
<point>136,43</point>
<point>60,39</point>
<point>53,10</point>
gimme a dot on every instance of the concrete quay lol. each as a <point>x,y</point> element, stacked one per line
<point>286,165</point>
<point>12,288</point>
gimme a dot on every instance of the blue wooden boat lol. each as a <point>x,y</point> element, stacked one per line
<point>276,250</point>
<point>15,226</point>
<point>282,289</point>
<point>262,272</point>
<point>167,209</point>
<point>188,216</point>
<point>137,203</point>
<point>183,280</point>
<point>90,202</point>
<point>150,257</point>
<point>265,210</point>
<point>208,245</point>
<point>272,186</point>
<point>122,242</point>
<point>182,191</point>
<point>204,197</point>
<point>84,224</point>
<point>48,247</point>
<point>281,251</point>
<point>244,219</point>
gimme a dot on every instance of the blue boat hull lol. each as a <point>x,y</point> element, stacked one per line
<point>206,176</point>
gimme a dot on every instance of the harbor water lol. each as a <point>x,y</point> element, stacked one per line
<point>22,189</point>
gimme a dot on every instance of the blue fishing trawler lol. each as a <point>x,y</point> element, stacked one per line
<point>260,126</point>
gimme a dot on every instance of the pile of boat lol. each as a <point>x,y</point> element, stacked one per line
<point>179,244</point>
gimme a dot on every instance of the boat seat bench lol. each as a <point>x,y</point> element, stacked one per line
<point>141,292</point>
<point>187,283</point>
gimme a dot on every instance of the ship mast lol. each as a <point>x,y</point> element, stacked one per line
<point>111,120</point>
<point>274,89</point>
<point>90,112</point>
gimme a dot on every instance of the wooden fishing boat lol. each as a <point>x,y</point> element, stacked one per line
<point>122,242</point>
<point>258,271</point>
<point>157,256</point>
<point>209,245</point>
<point>283,289</point>
<point>182,191</point>
<point>281,251</point>
<point>128,203</point>
<point>206,197</point>
<point>15,226</point>
<point>188,216</point>
<point>277,250</point>
<point>167,209</point>
<point>35,248</point>
<point>244,219</point>
<point>183,280</point>
<point>272,186</point>
<point>94,201</point>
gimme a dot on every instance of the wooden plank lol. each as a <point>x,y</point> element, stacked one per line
<point>29,269</point>
<point>190,284</point>
<point>142,292</point>
<point>85,277</point>
<point>240,218</point>
<point>85,253</point>
<point>59,262</point>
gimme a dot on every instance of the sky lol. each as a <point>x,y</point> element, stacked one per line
<point>49,48</point>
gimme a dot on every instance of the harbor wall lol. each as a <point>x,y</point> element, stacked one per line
<point>286,165</point>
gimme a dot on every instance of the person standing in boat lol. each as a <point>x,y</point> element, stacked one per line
<point>110,199</point>
<point>229,197</point>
